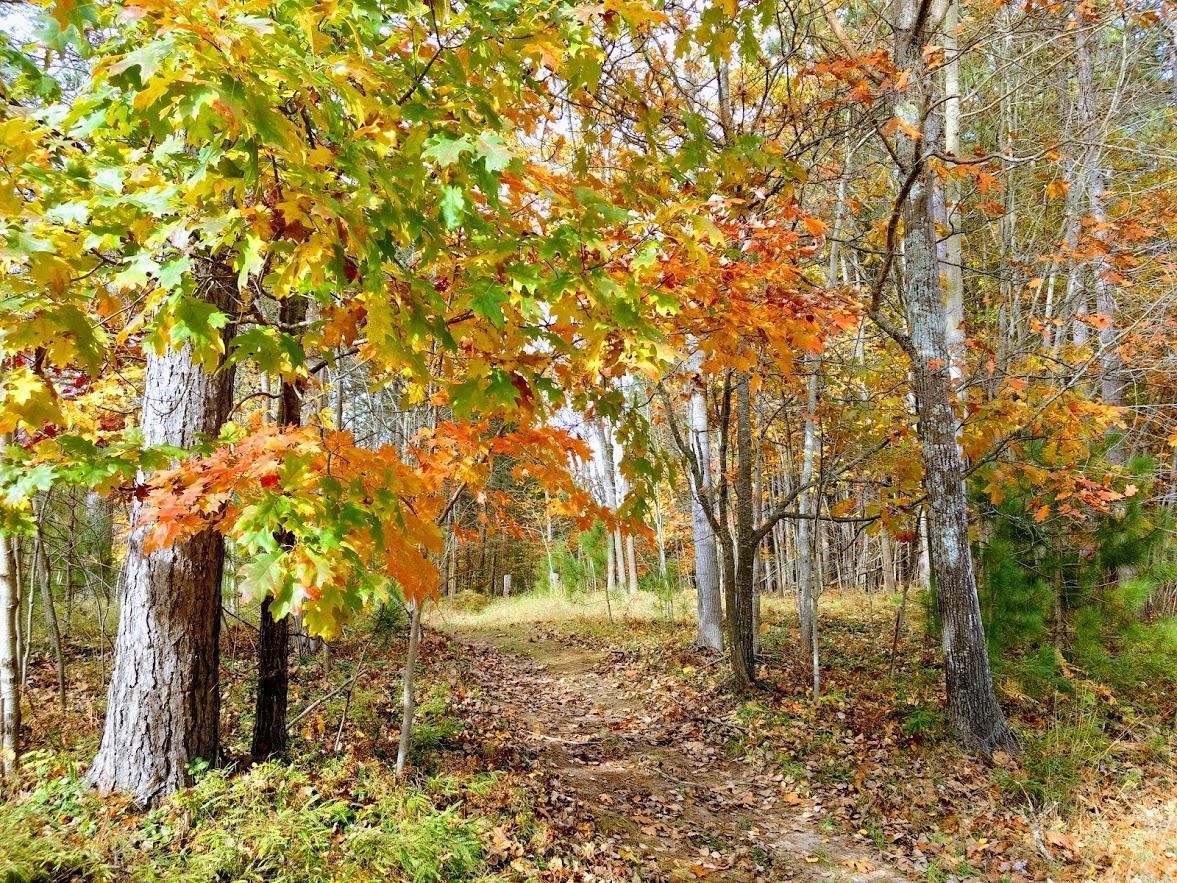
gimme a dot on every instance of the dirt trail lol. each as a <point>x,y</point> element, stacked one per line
<point>671,803</point>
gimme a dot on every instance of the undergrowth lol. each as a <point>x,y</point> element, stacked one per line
<point>326,815</point>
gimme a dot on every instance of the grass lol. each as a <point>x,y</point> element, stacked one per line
<point>326,815</point>
<point>585,613</point>
<point>319,819</point>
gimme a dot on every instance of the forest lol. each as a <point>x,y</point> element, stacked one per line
<point>646,440</point>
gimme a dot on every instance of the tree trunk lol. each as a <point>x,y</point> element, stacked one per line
<point>408,698</point>
<point>273,684</point>
<point>709,607</point>
<point>631,563</point>
<point>9,688</point>
<point>163,702</point>
<point>887,553</point>
<point>44,576</point>
<point>273,646</point>
<point>972,705</point>
<point>610,566</point>
<point>953,270</point>
<point>806,525</point>
<point>739,584</point>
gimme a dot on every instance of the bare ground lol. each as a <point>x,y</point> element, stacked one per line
<point>654,783</point>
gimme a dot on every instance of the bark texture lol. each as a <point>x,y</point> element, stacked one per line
<point>710,611</point>
<point>408,688</point>
<point>273,648</point>
<point>163,702</point>
<point>9,655</point>
<point>972,705</point>
<point>273,684</point>
<point>740,584</point>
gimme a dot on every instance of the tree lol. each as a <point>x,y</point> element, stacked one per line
<point>163,704</point>
<point>973,710</point>
<point>273,651</point>
<point>710,613</point>
<point>9,664</point>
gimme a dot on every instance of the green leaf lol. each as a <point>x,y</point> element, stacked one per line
<point>446,151</point>
<point>172,272</point>
<point>487,303</point>
<point>195,321</point>
<point>453,206</point>
<point>263,577</point>
<point>137,272</point>
<point>272,351</point>
<point>146,58</point>
<point>251,259</point>
<point>494,151</point>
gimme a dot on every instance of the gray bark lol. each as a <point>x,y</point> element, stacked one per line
<point>408,697</point>
<point>741,627</point>
<point>806,593</point>
<point>631,563</point>
<point>163,702</point>
<point>972,705</point>
<point>707,596</point>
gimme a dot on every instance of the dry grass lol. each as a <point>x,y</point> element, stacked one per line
<point>585,610</point>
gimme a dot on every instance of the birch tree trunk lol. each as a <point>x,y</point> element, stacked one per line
<point>954,256</point>
<point>710,611</point>
<point>9,658</point>
<point>612,500</point>
<point>973,710</point>
<point>631,563</point>
<point>806,597</point>
<point>163,702</point>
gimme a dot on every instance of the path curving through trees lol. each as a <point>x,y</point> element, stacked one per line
<point>657,786</point>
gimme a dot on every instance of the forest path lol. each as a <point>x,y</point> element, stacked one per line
<point>655,783</point>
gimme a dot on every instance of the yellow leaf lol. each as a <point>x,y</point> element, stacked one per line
<point>1057,188</point>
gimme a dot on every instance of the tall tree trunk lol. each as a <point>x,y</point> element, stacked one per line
<point>613,494</point>
<point>9,655</point>
<point>100,568</point>
<point>807,525</point>
<point>954,256</point>
<point>610,565</point>
<point>163,703</point>
<point>739,585</point>
<point>44,576</point>
<point>619,560</point>
<point>707,596</point>
<point>1111,365</point>
<point>887,554</point>
<point>972,705</point>
<point>273,646</point>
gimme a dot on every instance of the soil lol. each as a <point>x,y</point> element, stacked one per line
<point>657,785</point>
